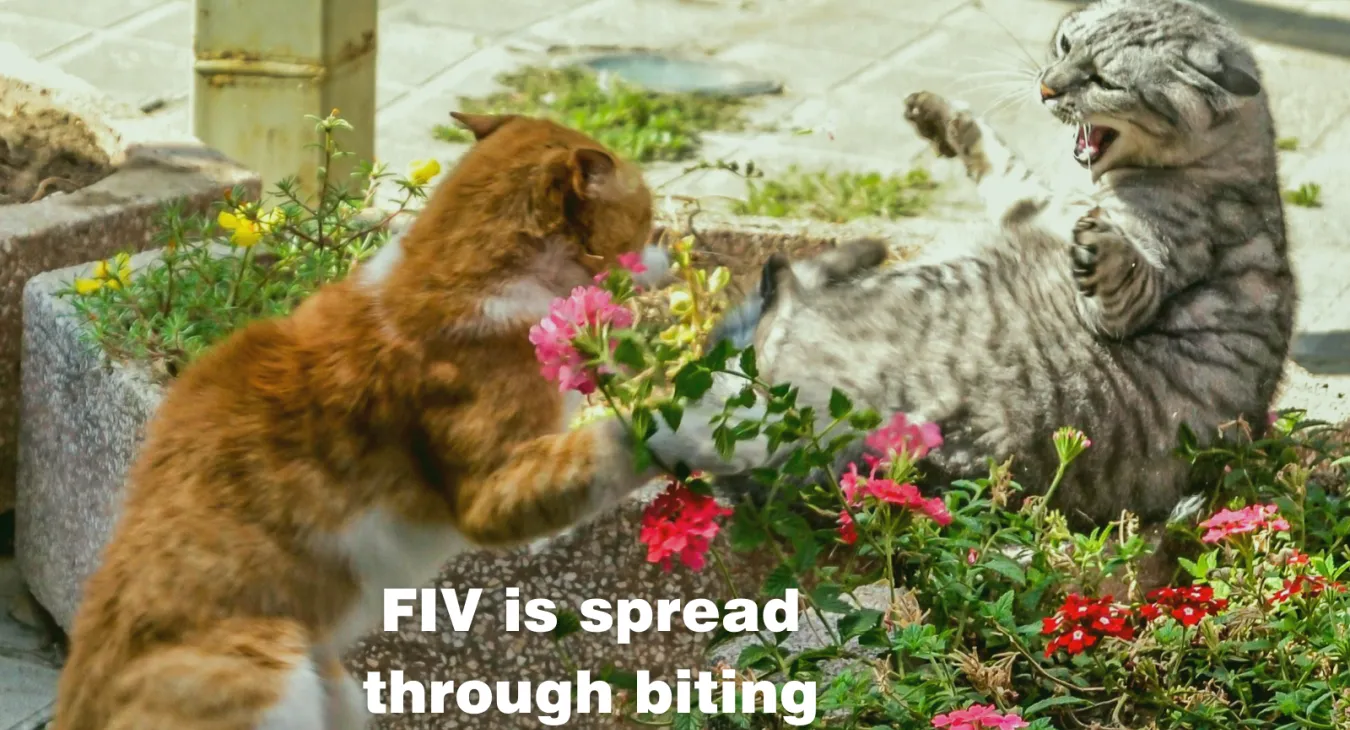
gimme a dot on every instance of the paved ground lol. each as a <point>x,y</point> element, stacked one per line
<point>847,64</point>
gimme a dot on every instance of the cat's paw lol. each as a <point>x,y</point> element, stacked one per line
<point>931,116</point>
<point>951,128</point>
<point>1102,256</point>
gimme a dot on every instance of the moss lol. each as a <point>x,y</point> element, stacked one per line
<point>841,196</point>
<point>641,125</point>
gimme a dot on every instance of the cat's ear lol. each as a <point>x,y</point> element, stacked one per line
<point>1225,69</point>
<point>481,124</point>
<point>591,170</point>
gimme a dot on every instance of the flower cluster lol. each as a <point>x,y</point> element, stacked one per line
<point>248,227</point>
<point>587,310</point>
<point>1188,604</point>
<point>420,172</point>
<point>1082,621</point>
<point>1310,586</point>
<point>895,447</point>
<point>979,717</point>
<point>1227,522</point>
<point>680,523</point>
<point>112,274</point>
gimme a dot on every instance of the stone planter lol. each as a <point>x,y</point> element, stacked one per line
<point>151,168</point>
<point>83,417</point>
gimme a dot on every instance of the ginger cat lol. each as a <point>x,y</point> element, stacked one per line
<point>396,419</point>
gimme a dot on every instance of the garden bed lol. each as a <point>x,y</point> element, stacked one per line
<point>82,179</point>
<point>84,416</point>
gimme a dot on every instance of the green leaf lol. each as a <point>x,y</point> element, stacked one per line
<point>692,381</point>
<point>777,583</point>
<point>826,597</point>
<point>858,623</point>
<point>865,420</point>
<point>840,404</point>
<point>568,623</point>
<point>717,358</point>
<point>692,721</point>
<point>743,399</point>
<point>757,656</point>
<point>748,365</point>
<point>642,423</point>
<point>629,353</point>
<point>725,441</point>
<point>672,413</point>
<point>1047,703</point>
<point>746,532</point>
<point>1006,567</point>
<point>621,678</point>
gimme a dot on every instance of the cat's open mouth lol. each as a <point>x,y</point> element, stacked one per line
<point>1092,142</point>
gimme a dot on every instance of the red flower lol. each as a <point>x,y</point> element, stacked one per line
<point>1188,604</point>
<point>1310,586</point>
<point>680,523</point>
<point>848,532</point>
<point>1084,621</point>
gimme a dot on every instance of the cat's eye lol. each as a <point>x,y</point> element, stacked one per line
<point>1064,44</point>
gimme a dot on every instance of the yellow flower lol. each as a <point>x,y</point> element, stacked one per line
<point>422,171</point>
<point>113,273</point>
<point>244,232</point>
<point>677,335</point>
<point>87,286</point>
<point>681,303</point>
<point>719,279</point>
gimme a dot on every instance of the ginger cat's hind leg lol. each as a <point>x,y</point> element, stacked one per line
<point>243,674</point>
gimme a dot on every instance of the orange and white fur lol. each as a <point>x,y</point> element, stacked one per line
<point>396,419</point>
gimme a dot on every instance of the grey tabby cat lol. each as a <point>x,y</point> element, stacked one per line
<point>1166,298</point>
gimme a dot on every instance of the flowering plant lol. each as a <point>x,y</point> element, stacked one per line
<point>244,260</point>
<point>995,613</point>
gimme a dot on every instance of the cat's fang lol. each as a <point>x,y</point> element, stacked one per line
<point>1092,142</point>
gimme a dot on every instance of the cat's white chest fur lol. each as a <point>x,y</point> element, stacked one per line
<point>386,551</point>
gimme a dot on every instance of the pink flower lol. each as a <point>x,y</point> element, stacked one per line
<point>1226,522</point>
<point>680,523</point>
<point>633,262</point>
<point>979,717</point>
<point>936,509</point>
<point>902,495</point>
<point>587,310</point>
<point>848,532</point>
<point>900,436</point>
<point>851,483</point>
<point>972,556</point>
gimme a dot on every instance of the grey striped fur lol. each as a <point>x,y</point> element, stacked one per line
<point>1165,299</point>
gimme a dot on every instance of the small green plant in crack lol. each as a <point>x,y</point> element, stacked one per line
<point>641,125</point>
<point>1286,144</point>
<point>1307,195</point>
<point>839,197</point>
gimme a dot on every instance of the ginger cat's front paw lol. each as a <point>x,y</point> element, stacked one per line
<point>951,129</point>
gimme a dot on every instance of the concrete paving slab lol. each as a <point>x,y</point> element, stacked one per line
<point>172,27</point>
<point>410,55</point>
<point>133,70</point>
<point>38,36</point>
<point>804,71</point>
<point>95,13</point>
<point>488,18</point>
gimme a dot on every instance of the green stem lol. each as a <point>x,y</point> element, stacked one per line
<point>238,277</point>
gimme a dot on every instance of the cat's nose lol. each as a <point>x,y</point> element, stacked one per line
<point>1047,93</point>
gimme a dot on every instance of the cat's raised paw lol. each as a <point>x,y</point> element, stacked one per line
<point>1100,254</point>
<point>931,116</point>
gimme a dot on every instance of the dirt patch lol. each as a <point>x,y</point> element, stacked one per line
<point>44,152</point>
